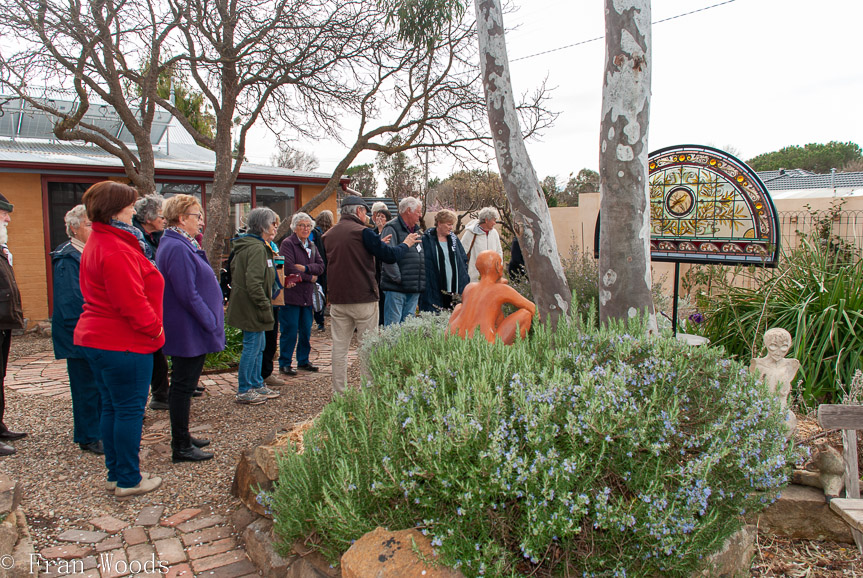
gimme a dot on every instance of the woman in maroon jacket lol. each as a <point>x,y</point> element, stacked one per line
<point>304,259</point>
<point>119,329</point>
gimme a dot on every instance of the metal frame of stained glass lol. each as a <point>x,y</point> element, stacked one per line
<point>707,206</point>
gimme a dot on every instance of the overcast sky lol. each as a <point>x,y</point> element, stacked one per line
<point>754,75</point>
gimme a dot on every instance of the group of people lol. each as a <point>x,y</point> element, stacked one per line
<point>133,287</point>
<point>434,277</point>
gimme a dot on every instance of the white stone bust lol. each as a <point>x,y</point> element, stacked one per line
<point>777,371</point>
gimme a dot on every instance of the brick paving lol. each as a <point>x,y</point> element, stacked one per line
<point>167,549</point>
<point>43,375</point>
<point>170,544</point>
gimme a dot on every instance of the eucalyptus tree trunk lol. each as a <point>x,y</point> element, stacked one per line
<point>624,240</point>
<point>523,191</point>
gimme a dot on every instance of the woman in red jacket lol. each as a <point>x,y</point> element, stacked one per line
<point>119,329</point>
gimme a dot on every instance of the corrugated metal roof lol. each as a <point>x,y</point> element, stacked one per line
<point>175,156</point>
<point>798,179</point>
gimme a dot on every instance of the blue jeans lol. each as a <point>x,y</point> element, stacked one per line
<point>123,378</point>
<point>296,328</point>
<point>399,306</point>
<point>86,402</point>
<point>249,373</point>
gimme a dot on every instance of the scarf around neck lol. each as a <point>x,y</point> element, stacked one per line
<point>441,269</point>
<point>187,236</point>
<point>145,248</point>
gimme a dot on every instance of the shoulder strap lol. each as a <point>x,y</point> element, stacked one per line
<point>471,245</point>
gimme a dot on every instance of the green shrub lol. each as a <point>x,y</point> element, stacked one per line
<point>817,299</point>
<point>601,450</point>
<point>230,356</point>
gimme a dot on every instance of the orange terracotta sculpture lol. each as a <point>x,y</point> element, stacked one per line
<point>482,303</point>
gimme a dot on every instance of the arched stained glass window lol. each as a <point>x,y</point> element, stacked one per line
<point>707,206</point>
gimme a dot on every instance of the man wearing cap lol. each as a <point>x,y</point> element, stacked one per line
<point>11,317</point>
<point>351,249</point>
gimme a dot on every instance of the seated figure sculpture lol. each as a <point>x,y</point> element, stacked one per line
<point>777,371</point>
<point>482,303</point>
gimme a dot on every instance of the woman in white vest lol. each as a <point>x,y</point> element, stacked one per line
<point>480,235</point>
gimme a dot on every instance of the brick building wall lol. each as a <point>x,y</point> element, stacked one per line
<point>27,241</point>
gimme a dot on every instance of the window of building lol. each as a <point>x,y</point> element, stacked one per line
<point>62,197</point>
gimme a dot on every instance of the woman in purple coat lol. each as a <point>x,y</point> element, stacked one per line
<point>194,319</point>
<point>295,318</point>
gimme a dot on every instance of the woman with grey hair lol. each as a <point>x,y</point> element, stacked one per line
<point>68,305</point>
<point>302,258</point>
<point>148,219</point>
<point>480,235</point>
<point>250,308</point>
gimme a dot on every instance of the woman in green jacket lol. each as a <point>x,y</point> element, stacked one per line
<point>250,307</point>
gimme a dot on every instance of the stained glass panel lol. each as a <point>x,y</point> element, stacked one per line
<point>707,206</point>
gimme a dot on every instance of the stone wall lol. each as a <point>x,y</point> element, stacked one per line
<point>16,545</point>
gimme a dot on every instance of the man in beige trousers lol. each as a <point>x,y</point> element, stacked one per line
<point>351,248</point>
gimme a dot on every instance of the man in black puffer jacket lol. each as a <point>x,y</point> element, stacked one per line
<point>403,281</point>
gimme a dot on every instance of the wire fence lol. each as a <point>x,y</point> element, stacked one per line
<point>846,226</point>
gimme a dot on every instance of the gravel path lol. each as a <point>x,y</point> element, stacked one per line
<point>63,486</point>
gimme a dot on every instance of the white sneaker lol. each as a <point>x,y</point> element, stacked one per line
<point>111,486</point>
<point>144,486</point>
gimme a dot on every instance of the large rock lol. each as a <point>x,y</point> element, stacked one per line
<point>802,513</point>
<point>734,559</point>
<point>258,537</point>
<point>265,457</point>
<point>385,554</point>
<point>248,477</point>
<point>302,563</point>
<point>8,534</point>
<point>24,551</point>
<point>10,495</point>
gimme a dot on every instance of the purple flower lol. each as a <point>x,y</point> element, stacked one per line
<point>696,318</point>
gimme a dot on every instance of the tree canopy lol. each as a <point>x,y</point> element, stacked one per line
<point>815,157</point>
<point>363,179</point>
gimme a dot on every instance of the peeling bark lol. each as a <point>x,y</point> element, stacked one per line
<point>523,191</point>
<point>624,242</point>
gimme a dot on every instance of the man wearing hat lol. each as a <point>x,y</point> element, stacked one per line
<point>11,317</point>
<point>351,249</point>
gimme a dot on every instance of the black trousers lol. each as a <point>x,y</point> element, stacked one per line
<point>5,343</point>
<point>159,382</point>
<point>185,373</point>
<point>271,338</point>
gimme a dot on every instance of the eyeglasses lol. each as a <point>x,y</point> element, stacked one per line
<point>199,216</point>
<point>303,226</point>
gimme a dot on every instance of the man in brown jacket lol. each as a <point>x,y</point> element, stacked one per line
<point>351,248</point>
<point>11,317</point>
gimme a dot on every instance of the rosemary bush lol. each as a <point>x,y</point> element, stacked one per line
<point>599,450</point>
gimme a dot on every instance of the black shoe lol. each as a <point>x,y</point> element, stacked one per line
<point>6,449</point>
<point>321,328</point>
<point>308,367</point>
<point>199,442</point>
<point>12,435</point>
<point>190,454</point>
<point>95,447</point>
<point>288,370</point>
<point>199,391</point>
<point>160,405</point>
